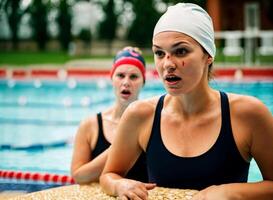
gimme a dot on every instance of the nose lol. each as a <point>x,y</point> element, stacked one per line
<point>169,63</point>
<point>126,81</point>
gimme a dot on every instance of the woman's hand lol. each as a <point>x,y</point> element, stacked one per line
<point>128,189</point>
<point>212,193</point>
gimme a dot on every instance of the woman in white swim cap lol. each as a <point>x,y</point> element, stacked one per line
<point>195,137</point>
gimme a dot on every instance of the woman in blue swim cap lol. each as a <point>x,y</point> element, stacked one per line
<point>96,133</point>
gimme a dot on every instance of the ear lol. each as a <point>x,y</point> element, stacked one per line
<point>210,60</point>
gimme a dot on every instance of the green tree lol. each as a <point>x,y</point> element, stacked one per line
<point>85,36</point>
<point>39,11</point>
<point>14,13</point>
<point>107,28</point>
<point>64,23</point>
<point>141,30</point>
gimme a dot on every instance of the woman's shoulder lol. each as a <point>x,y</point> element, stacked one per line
<point>88,125</point>
<point>247,106</point>
<point>140,111</point>
<point>86,122</point>
<point>143,107</point>
<point>138,118</point>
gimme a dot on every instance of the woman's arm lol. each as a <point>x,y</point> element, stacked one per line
<point>84,169</point>
<point>123,154</point>
<point>237,191</point>
<point>256,121</point>
<point>91,171</point>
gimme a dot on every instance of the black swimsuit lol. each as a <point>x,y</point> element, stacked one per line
<point>222,163</point>
<point>137,172</point>
<point>102,143</point>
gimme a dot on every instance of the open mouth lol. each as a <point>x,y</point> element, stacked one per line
<point>125,92</point>
<point>172,78</point>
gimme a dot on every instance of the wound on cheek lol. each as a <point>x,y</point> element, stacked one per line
<point>183,63</point>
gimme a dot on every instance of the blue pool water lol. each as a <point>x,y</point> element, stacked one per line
<point>38,118</point>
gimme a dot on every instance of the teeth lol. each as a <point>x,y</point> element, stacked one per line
<point>172,78</point>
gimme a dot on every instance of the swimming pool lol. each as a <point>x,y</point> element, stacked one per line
<point>39,118</point>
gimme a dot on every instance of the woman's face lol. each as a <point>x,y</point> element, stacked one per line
<point>127,81</point>
<point>180,61</point>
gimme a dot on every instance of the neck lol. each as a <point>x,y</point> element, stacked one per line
<point>115,112</point>
<point>195,102</point>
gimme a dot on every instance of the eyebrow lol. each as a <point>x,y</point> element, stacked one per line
<point>177,44</point>
<point>156,46</point>
<point>173,46</point>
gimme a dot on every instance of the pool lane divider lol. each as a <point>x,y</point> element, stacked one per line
<point>51,73</point>
<point>35,147</point>
<point>37,177</point>
<point>23,73</point>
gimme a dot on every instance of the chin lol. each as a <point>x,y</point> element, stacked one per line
<point>126,101</point>
<point>175,92</point>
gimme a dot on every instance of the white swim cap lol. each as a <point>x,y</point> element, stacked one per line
<point>191,20</point>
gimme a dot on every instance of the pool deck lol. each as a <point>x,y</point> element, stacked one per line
<point>10,194</point>
<point>94,191</point>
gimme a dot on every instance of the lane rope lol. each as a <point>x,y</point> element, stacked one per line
<point>37,177</point>
<point>35,147</point>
